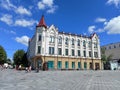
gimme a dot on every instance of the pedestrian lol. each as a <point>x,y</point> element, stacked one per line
<point>30,68</point>
<point>37,69</point>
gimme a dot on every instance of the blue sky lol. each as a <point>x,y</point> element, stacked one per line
<point>18,20</point>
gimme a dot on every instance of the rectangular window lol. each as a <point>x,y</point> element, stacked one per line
<point>59,64</point>
<point>79,65</point>
<point>90,54</point>
<point>59,51</point>
<point>73,65</point>
<point>89,44</point>
<point>66,65</point>
<point>39,49</point>
<point>52,39</point>
<point>95,45</point>
<point>51,50</point>
<point>66,52</point>
<point>73,52</point>
<point>96,54</point>
<point>85,65</point>
<point>78,52</point>
<point>39,38</point>
<point>84,53</point>
<point>51,64</point>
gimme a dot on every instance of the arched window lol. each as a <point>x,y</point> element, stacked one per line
<point>59,40</point>
<point>84,43</point>
<point>78,42</point>
<point>73,41</point>
<point>66,41</point>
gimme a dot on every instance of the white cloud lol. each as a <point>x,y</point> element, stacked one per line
<point>113,26</point>
<point>23,40</point>
<point>91,29</point>
<point>19,10</point>
<point>24,23</point>
<point>7,4</point>
<point>22,10</point>
<point>52,10</point>
<point>41,5</point>
<point>7,19</point>
<point>48,5</point>
<point>100,19</point>
<point>115,2</point>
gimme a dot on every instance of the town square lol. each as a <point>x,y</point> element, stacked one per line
<point>59,80</point>
<point>59,44</point>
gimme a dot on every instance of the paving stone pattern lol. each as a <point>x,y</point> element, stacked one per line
<point>11,79</point>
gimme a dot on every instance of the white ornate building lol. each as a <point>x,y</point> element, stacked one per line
<point>63,50</point>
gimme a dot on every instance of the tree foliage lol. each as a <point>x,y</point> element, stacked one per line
<point>3,55</point>
<point>20,57</point>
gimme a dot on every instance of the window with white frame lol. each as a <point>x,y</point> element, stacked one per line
<point>59,51</point>
<point>95,45</point>
<point>73,52</point>
<point>52,39</point>
<point>59,40</point>
<point>90,44</point>
<point>66,41</point>
<point>78,42</point>
<point>39,50</point>
<point>84,53</point>
<point>90,54</point>
<point>73,41</point>
<point>78,52</point>
<point>96,54</point>
<point>84,43</point>
<point>51,50</point>
<point>39,37</point>
<point>66,52</point>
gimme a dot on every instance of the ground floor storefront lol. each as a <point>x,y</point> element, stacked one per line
<point>65,63</point>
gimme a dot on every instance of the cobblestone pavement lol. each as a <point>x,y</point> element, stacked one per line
<point>59,80</point>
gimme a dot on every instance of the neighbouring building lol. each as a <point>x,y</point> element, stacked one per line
<point>113,49</point>
<point>62,50</point>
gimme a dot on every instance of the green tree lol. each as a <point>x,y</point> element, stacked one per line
<point>25,61</point>
<point>3,55</point>
<point>20,57</point>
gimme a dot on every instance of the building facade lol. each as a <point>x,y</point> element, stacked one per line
<point>113,50</point>
<point>63,50</point>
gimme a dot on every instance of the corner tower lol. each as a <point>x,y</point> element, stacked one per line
<point>41,25</point>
